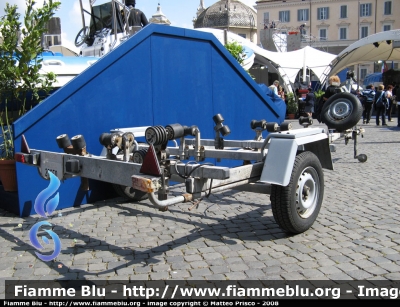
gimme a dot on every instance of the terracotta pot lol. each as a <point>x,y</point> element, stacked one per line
<point>8,175</point>
<point>291,116</point>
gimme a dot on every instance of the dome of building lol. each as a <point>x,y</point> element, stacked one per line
<point>223,14</point>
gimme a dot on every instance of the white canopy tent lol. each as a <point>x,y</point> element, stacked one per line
<point>382,46</point>
<point>287,64</point>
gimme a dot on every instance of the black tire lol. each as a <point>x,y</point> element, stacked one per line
<point>342,111</point>
<point>130,193</point>
<point>82,36</point>
<point>293,211</point>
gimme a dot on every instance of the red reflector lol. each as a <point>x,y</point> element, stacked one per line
<point>19,157</point>
<point>24,145</point>
<point>150,165</point>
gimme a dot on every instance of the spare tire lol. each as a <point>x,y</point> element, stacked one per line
<point>342,111</point>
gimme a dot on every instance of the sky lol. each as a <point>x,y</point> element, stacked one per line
<point>179,12</point>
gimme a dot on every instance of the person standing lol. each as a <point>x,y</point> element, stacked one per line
<point>281,92</point>
<point>136,17</point>
<point>398,105</point>
<point>309,103</point>
<point>389,96</point>
<point>379,105</point>
<point>368,97</point>
<point>274,87</point>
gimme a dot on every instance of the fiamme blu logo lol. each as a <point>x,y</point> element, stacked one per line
<point>46,201</point>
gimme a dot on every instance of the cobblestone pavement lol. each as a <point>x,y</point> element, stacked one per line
<point>231,235</point>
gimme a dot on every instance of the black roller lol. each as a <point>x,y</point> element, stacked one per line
<point>78,142</point>
<point>63,141</point>
<point>151,135</point>
<point>175,131</point>
<point>218,119</point>
<point>305,119</point>
<point>272,127</point>
<point>156,135</point>
<point>285,126</point>
<point>225,130</point>
<point>190,130</point>
<point>138,155</point>
<point>258,124</point>
<point>108,139</point>
<point>129,136</point>
<point>162,135</point>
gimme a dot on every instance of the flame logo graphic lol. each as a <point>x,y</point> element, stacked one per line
<point>35,242</point>
<point>39,207</point>
<point>45,194</point>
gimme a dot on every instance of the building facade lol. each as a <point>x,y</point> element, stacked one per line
<point>331,25</point>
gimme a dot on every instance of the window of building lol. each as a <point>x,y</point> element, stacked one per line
<point>323,13</point>
<point>302,15</point>
<point>388,8</point>
<point>343,11</point>
<point>242,35</point>
<point>363,31</point>
<point>284,16</point>
<point>396,66</point>
<point>342,33</point>
<point>322,34</point>
<point>387,27</point>
<point>365,9</point>
<point>266,19</point>
<point>363,73</point>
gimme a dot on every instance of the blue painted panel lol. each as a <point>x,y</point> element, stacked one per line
<point>160,76</point>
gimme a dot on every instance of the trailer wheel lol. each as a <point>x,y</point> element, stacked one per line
<point>130,193</point>
<point>342,111</point>
<point>295,207</point>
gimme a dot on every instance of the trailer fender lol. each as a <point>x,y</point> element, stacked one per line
<point>278,164</point>
<point>279,161</point>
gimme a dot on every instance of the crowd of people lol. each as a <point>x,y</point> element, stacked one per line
<point>384,100</point>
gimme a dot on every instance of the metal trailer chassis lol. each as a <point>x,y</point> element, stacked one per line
<point>287,165</point>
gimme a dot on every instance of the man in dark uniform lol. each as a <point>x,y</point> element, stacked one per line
<point>136,17</point>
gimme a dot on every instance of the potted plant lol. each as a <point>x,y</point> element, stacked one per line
<point>22,86</point>
<point>7,163</point>
<point>291,105</point>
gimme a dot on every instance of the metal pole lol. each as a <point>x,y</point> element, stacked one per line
<point>83,17</point>
<point>228,11</point>
<point>359,29</point>
<point>310,24</point>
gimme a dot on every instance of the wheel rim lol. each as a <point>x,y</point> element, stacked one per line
<point>307,192</point>
<point>340,110</point>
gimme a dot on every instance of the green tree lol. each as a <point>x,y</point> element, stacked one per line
<point>20,64</point>
<point>237,51</point>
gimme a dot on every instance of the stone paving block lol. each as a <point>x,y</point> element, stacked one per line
<point>359,274</point>
<point>200,272</point>
<point>238,267</point>
<point>235,275</point>
<point>390,267</point>
<point>312,273</point>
